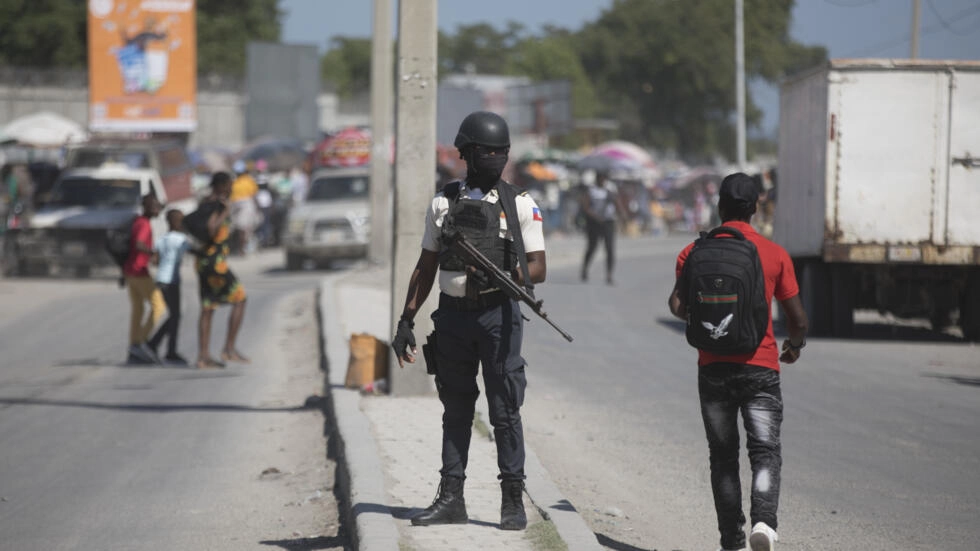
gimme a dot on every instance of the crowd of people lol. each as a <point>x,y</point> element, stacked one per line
<point>260,200</point>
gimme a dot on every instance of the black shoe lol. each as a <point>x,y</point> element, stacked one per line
<point>449,507</point>
<point>134,359</point>
<point>512,516</point>
<point>175,358</point>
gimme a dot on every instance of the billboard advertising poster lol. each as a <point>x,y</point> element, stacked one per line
<point>142,65</point>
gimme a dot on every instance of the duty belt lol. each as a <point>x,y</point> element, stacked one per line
<point>483,301</point>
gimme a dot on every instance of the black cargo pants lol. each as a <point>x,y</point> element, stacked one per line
<point>468,336</point>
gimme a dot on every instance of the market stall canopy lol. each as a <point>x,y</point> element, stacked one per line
<point>281,154</point>
<point>620,156</point>
<point>349,147</point>
<point>43,129</point>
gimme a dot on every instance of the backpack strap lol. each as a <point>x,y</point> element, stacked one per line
<point>451,190</point>
<point>508,201</point>
<point>724,229</point>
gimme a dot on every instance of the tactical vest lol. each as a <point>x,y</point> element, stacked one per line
<point>479,222</point>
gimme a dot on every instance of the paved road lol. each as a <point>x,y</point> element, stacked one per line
<point>880,436</point>
<point>96,455</point>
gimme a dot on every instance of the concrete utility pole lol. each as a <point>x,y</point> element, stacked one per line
<point>916,13</point>
<point>379,249</point>
<point>415,174</point>
<point>740,85</point>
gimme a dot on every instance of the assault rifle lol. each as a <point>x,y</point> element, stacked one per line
<point>472,256</point>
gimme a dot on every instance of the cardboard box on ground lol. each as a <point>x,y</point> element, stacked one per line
<point>368,364</point>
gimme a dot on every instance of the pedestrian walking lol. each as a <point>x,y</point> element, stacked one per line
<point>244,211</point>
<point>170,249</point>
<point>218,285</point>
<point>142,290</point>
<point>738,360</point>
<point>601,204</point>
<point>476,324</point>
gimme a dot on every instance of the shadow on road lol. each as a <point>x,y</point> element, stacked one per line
<point>311,403</point>
<point>308,544</point>
<point>958,379</point>
<point>610,543</point>
<point>862,332</point>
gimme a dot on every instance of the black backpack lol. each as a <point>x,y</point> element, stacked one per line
<point>725,290</point>
<point>196,223</point>
<point>117,242</point>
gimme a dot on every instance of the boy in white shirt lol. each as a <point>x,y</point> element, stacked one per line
<point>170,248</point>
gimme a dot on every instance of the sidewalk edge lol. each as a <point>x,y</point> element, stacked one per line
<point>359,480</point>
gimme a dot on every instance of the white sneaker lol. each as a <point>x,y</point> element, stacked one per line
<point>763,537</point>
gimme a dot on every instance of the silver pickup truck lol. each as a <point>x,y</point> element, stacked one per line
<point>333,223</point>
<point>67,236</point>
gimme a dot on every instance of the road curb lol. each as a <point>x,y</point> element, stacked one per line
<point>359,479</point>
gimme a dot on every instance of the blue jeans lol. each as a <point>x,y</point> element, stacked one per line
<point>727,389</point>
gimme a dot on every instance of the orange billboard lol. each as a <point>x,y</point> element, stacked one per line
<point>142,65</point>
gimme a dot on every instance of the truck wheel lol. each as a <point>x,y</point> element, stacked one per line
<point>293,262</point>
<point>970,309</point>
<point>842,301</point>
<point>815,292</point>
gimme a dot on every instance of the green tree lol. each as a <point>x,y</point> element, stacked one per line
<point>666,68</point>
<point>43,33</point>
<point>347,64</point>
<point>479,48</point>
<point>225,27</point>
<point>553,57</point>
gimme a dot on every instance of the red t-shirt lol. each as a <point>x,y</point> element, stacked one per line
<point>138,262</point>
<point>780,283</point>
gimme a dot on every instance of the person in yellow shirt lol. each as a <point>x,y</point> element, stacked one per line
<point>244,214</point>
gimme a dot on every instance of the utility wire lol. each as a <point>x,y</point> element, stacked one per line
<point>904,39</point>
<point>840,4</point>
<point>945,24</point>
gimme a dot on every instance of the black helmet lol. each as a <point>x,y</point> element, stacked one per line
<point>483,128</point>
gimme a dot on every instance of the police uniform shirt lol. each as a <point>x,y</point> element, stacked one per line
<point>454,283</point>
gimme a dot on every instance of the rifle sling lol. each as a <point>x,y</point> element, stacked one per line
<point>508,199</point>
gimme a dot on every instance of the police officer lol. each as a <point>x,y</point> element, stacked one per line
<point>476,323</point>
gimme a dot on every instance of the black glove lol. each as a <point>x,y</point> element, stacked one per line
<point>479,277</point>
<point>404,338</point>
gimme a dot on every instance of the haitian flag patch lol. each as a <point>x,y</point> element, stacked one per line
<point>537,215</point>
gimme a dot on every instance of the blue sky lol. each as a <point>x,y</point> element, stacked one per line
<point>950,29</point>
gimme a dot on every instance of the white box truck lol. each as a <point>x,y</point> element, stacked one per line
<point>878,193</point>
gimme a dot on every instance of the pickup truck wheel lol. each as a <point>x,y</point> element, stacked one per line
<point>294,262</point>
<point>970,309</point>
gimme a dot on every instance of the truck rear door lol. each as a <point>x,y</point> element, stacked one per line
<point>887,125</point>
<point>963,197</point>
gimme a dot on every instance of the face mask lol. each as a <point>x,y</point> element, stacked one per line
<point>483,170</point>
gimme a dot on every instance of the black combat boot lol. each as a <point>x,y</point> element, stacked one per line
<point>449,507</point>
<point>512,515</point>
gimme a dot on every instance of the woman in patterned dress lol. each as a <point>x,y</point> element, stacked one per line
<point>217,283</point>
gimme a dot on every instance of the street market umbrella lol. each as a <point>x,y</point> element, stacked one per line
<point>349,147</point>
<point>281,154</point>
<point>604,163</point>
<point>42,129</point>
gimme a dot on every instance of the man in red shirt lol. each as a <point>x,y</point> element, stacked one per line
<point>747,384</point>
<point>142,289</point>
